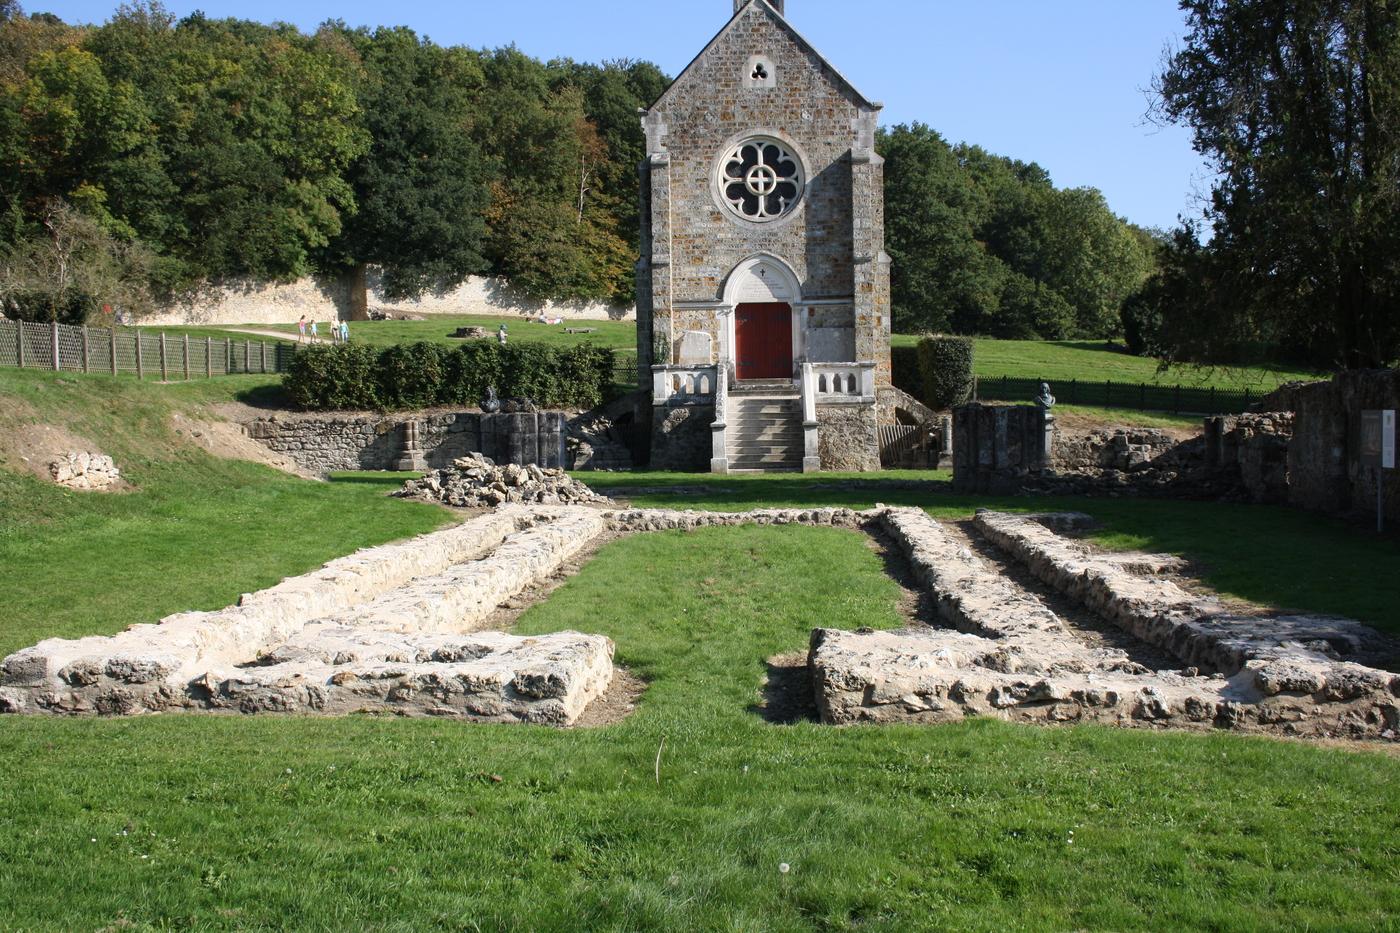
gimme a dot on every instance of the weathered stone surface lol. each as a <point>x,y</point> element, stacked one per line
<point>1198,631</point>
<point>680,437</point>
<point>444,583</point>
<point>1012,657</point>
<point>475,482</point>
<point>485,677</point>
<point>847,438</point>
<point>83,470</point>
<point>322,443</point>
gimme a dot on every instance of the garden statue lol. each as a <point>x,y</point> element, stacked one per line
<point>490,404</point>
<point>1045,400</point>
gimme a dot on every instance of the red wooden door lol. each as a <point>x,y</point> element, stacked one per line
<point>763,339</point>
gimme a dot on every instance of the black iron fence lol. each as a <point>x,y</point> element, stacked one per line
<point>1179,399</point>
<point>625,370</point>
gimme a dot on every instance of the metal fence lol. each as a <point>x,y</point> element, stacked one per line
<point>625,370</point>
<point>133,350</point>
<point>1142,396</point>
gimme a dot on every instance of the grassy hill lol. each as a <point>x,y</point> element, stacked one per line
<point>680,816</point>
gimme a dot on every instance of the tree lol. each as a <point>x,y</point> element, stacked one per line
<point>1296,103</point>
<point>987,245</point>
<point>418,190</point>
<point>69,269</point>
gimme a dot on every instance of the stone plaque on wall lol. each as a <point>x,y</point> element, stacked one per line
<point>695,349</point>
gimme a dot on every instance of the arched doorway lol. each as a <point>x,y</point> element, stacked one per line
<point>764,335</point>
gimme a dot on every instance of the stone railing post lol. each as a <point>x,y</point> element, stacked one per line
<point>53,343</point>
<point>719,440</point>
<point>811,453</point>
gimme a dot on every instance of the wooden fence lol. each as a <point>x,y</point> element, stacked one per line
<point>62,347</point>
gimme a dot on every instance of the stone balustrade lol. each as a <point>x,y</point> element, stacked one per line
<point>844,382</point>
<point>683,384</point>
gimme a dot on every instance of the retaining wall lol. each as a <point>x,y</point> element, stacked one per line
<point>374,442</point>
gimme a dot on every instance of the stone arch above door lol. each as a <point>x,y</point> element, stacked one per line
<point>762,278</point>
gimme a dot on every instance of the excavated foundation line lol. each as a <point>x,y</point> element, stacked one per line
<point>393,628</point>
<point>1012,657</point>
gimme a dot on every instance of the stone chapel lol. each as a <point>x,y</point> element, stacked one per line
<point>763,288</point>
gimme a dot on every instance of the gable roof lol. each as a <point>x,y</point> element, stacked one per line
<point>783,24</point>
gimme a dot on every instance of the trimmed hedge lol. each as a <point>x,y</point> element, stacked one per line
<point>945,370</point>
<point>334,377</point>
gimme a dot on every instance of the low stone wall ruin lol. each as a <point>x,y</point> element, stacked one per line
<point>320,444</point>
<point>1008,655</point>
<point>1008,449</point>
<point>1324,470</point>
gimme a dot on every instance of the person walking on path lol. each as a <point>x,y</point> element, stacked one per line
<point>344,331</point>
<point>301,330</point>
<point>313,330</point>
<point>501,335</point>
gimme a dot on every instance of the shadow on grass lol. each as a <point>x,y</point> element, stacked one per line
<point>386,480</point>
<point>271,396</point>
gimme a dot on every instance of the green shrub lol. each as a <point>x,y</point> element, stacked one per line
<point>330,377</point>
<point>326,377</point>
<point>531,371</point>
<point>471,368</point>
<point>413,375</point>
<point>945,369</point>
<point>586,371</point>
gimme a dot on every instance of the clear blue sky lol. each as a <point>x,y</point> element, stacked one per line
<point>1059,82</point>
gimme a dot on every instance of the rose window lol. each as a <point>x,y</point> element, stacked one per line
<point>760,179</point>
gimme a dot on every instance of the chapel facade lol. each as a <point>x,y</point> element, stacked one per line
<point>763,298</point>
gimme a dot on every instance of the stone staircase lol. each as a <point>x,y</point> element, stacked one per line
<point>765,429</point>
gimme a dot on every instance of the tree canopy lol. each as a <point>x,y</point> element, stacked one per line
<point>220,150</point>
<point>1296,103</point>
<point>198,151</point>
<point>982,244</point>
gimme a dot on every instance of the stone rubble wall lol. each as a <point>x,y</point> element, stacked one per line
<point>847,438</point>
<point>1306,654</point>
<point>374,442</point>
<point>1238,457</point>
<point>1324,470</point>
<point>329,299</point>
<point>385,629</point>
<point>150,666</point>
<point>1013,658</point>
<point>995,447</point>
<point>485,677</point>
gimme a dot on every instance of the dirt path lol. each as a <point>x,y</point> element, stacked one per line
<point>258,332</point>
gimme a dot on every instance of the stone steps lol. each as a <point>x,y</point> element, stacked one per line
<point>764,432</point>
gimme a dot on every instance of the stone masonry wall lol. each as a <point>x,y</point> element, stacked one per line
<point>371,442</point>
<point>681,437</point>
<point>1324,473</point>
<point>847,438</point>
<point>995,447</point>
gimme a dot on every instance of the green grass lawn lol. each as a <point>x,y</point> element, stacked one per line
<point>1055,360</point>
<point>1094,361</point>
<point>227,822</point>
<point>620,335</point>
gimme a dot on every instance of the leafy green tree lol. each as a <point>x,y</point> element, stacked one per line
<point>1296,103</point>
<point>256,127</point>
<point>942,278</point>
<point>419,191</point>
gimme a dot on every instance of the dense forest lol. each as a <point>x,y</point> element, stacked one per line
<point>145,158</point>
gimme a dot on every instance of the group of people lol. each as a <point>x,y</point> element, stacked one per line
<point>309,331</point>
